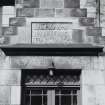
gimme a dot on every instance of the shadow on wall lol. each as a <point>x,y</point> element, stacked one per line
<point>7,2</point>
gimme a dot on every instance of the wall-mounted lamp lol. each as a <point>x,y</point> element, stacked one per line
<point>51,68</point>
<point>51,72</point>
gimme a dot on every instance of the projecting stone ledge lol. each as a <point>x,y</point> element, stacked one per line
<point>52,50</point>
<point>11,30</point>
<point>18,21</point>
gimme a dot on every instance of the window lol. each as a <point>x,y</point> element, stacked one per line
<point>55,96</point>
<point>41,88</point>
<point>35,96</point>
<point>66,97</point>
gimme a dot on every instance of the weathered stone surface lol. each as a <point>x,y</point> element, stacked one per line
<point>4,40</point>
<point>86,21</point>
<point>18,1</point>
<point>15,95</point>
<point>10,77</point>
<point>83,63</point>
<point>0,21</point>
<point>91,12</point>
<point>97,39</point>
<point>8,10</point>
<point>31,3</point>
<point>5,95</point>
<point>103,31</point>
<point>22,36</point>
<point>51,36</point>
<point>100,94</point>
<point>87,3</point>
<point>17,21</point>
<point>102,15</point>
<point>51,3</point>
<point>94,31</point>
<point>101,63</point>
<point>93,77</point>
<point>93,94</point>
<point>44,12</point>
<point>51,33</point>
<point>88,95</point>
<point>5,19</point>
<point>25,12</point>
<point>11,30</point>
<point>93,39</point>
<point>72,12</point>
<point>72,3</point>
<point>52,26</point>
<point>77,36</point>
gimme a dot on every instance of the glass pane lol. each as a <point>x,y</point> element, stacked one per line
<point>74,91</point>
<point>57,91</point>
<point>27,100</point>
<point>65,91</point>
<point>36,100</point>
<point>27,92</point>
<point>44,91</point>
<point>65,100</point>
<point>36,91</point>
<point>74,100</point>
<point>45,100</point>
<point>56,100</point>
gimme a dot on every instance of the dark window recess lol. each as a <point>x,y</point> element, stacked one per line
<point>7,2</point>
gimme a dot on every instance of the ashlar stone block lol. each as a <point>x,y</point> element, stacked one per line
<point>100,94</point>
<point>17,21</point>
<point>94,31</point>
<point>93,77</point>
<point>77,35</point>
<point>31,3</point>
<point>5,95</point>
<point>10,77</point>
<point>25,12</point>
<point>51,3</point>
<point>15,95</point>
<point>72,12</point>
<point>88,95</point>
<point>86,21</point>
<point>72,3</point>
<point>11,30</point>
<point>44,12</point>
<point>8,10</point>
<point>4,40</point>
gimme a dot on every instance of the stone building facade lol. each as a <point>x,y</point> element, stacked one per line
<point>52,52</point>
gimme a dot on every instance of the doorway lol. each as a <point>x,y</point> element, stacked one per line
<point>41,88</point>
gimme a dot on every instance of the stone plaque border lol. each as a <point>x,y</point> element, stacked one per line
<point>59,22</point>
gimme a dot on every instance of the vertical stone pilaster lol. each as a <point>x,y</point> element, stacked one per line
<point>93,87</point>
<point>15,95</point>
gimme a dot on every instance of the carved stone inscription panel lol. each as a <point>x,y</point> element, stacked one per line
<point>51,32</point>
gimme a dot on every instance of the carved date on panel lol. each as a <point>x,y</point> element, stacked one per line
<point>51,32</point>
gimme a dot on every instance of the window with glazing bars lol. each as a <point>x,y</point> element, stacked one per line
<point>63,96</point>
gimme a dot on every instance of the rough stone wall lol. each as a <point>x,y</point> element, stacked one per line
<point>16,28</point>
<point>16,21</point>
